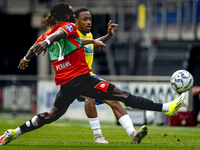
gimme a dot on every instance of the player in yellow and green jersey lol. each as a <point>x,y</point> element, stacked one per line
<point>84,24</point>
<point>88,49</point>
<point>83,21</point>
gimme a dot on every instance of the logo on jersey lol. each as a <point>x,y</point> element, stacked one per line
<point>88,49</point>
<point>69,28</point>
<point>102,86</point>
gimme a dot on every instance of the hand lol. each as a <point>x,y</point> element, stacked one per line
<point>110,28</point>
<point>23,64</point>
<point>44,52</point>
<point>42,46</point>
<point>100,44</point>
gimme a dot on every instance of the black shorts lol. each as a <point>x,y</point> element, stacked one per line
<point>85,85</point>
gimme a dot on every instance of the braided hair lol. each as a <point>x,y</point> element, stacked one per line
<point>57,13</point>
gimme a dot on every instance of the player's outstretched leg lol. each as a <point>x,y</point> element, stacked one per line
<point>59,108</point>
<point>145,104</point>
<point>30,125</point>
<point>36,122</point>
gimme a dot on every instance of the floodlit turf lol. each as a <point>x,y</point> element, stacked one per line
<point>65,134</point>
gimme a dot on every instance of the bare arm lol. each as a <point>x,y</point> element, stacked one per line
<point>104,38</point>
<point>36,49</point>
<point>110,33</point>
<point>25,61</point>
<point>30,53</point>
<point>42,46</point>
<point>87,41</point>
<point>95,42</point>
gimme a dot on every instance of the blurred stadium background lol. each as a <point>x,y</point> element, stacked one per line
<point>154,39</point>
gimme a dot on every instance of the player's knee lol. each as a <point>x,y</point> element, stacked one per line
<point>126,93</point>
<point>121,93</point>
<point>114,104</point>
<point>89,101</point>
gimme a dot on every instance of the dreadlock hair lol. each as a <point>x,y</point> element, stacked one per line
<point>77,11</point>
<point>57,13</point>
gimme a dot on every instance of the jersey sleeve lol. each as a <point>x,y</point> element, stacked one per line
<point>40,39</point>
<point>70,29</point>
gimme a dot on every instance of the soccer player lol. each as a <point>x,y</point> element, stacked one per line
<point>72,73</point>
<point>84,23</point>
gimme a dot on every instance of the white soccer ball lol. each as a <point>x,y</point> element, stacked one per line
<point>182,81</point>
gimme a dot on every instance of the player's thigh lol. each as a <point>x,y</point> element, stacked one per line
<point>56,113</point>
<point>64,99</point>
<point>113,104</point>
<point>89,100</point>
<point>101,90</point>
<point>97,89</point>
<point>119,94</point>
<point>61,103</point>
<point>116,105</point>
<point>90,104</point>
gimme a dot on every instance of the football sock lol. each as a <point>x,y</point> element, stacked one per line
<point>165,107</point>
<point>33,124</point>
<point>127,124</point>
<point>142,103</point>
<point>18,132</point>
<point>95,125</point>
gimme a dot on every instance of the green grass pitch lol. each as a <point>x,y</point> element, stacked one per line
<point>68,134</point>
